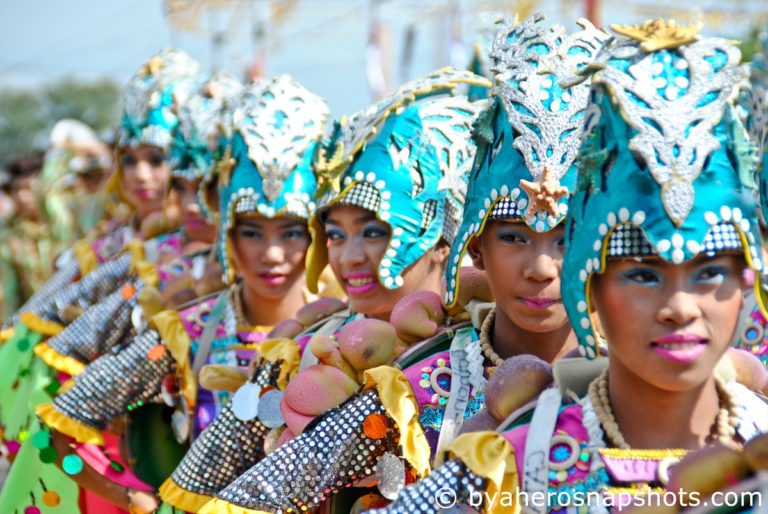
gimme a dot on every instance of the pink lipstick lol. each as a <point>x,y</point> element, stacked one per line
<point>680,348</point>
<point>537,302</point>
<point>360,283</point>
<point>273,279</point>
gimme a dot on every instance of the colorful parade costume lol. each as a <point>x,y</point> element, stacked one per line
<point>125,311</point>
<point>278,130</point>
<point>659,101</point>
<point>395,146</point>
<point>104,264</point>
<point>402,413</point>
<point>753,110</point>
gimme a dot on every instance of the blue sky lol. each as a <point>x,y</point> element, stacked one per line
<point>321,42</point>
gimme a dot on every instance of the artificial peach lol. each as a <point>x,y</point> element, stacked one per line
<point>288,328</point>
<point>317,310</point>
<point>326,349</point>
<point>285,436</point>
<point>515,382</point>
<point>210,282</point>
<point>367,343</point>
<point>473,284</point>
<point>69,313</point>
<point>417,316</point>
<point>153,225</point>
<point>480,422</point>
<point>710,469</point>
<point>194,246</point>
<point>317,389</point>
<point>177,283</point>
<point>756,452</point>
<point>295,421</point>
<point>178,298</point>
<point>749,370</point>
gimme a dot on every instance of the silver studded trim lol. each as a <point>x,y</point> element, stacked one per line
<point>227,448</point>
<point>115,382</point>
<point>328,457</point>
<point>629,241</point>
<point>451,483</point>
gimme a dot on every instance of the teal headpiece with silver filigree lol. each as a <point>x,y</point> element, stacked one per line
<point>268,166</point>
<point>528,138</point>
<point>753,104</point>
<point>150,100</point>
<point>405,158</point>
<point>149,97</point>
<point>659,168</point>
<point>200,119</point>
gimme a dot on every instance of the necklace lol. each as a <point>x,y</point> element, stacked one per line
<point>725,424</point>
<point>236,294</point>
<point>485,338</point>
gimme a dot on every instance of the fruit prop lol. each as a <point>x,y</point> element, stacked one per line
<point>748,370</point>
<point>514,383</point>
<point>418,316</point>
<point>473,285</point>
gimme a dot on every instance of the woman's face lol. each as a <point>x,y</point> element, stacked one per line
<point>523,269</point>
<point>666,324</point>
<point>270,253</point>
<point>356,244</point>
<point>184,196</point>
<point>24,193</point>
<point>144,178</point>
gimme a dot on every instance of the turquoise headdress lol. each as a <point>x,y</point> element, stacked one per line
<point>268,165</point>
<point>405,158</point>
<point>528,138</point>
<point>149,97</point>
<point>753,102</point>
<point>200,119</point>
<point>659,169</point>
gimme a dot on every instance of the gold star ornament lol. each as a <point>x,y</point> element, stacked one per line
<point>225,167</point>
<point>543,194</point>
<point>152,66</point>
<point>659,34</point>
<point>329,171</point>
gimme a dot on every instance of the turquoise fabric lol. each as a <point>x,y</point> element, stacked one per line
<point>661,153</point>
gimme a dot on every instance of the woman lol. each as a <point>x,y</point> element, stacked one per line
<point>422,407</point>
<point>180,277</point>
<point>43,313</point>
<point>120,315</point>
<point>659,260</point>
<point>263,238</point>
<point>383,231</point>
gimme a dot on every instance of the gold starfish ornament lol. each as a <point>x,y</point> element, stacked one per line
<point>659,34</point>
<point>543,194</point>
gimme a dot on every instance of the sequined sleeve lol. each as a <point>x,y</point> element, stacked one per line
<point>224,451</point>
<point>97,330</point>
<point>335,453</point>
<point>115,382</point>
<point>58,281</point>
<point>89,290</point>
<point>452,484</point>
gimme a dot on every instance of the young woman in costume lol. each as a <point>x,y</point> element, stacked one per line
<point>659,259</point>
<point>122,314</point>
<point>408,413</point>
<point>389,206</point>
<point>266,189</point>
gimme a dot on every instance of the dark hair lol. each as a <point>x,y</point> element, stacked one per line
<point>24,166</point>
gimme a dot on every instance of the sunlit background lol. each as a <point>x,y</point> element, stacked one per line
<point>68,58</point>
